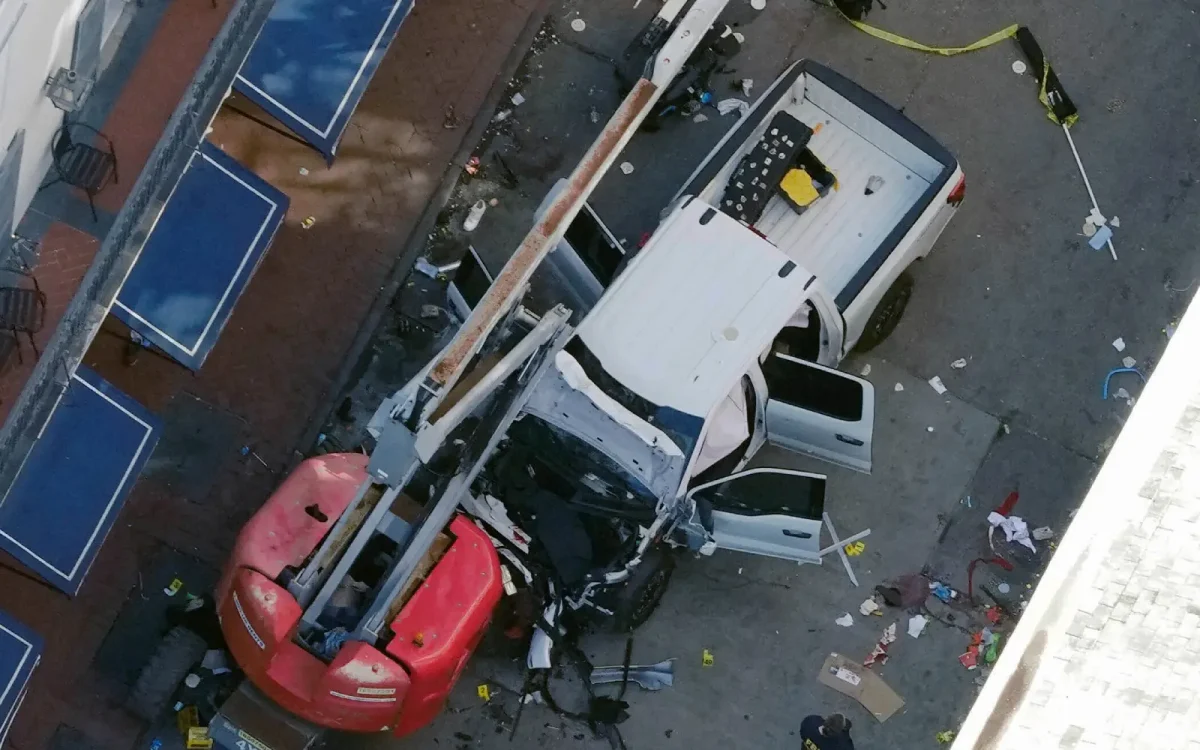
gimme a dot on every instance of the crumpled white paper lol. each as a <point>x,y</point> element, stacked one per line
<point>1015,529</point>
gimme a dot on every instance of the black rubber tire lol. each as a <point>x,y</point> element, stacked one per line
<point>178,651</point>
<point>644,590</point>
<point>887,313</point>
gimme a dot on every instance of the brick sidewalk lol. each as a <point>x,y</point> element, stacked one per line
<point>275,362</point>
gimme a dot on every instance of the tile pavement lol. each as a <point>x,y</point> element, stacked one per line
<point>277,357</point>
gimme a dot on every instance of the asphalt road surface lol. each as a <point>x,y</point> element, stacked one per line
<point>1012,287</point>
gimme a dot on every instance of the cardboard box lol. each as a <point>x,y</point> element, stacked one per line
<point>853,679</point>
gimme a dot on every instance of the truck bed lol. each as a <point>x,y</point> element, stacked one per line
<point>844,236</point>
<point>835,236</point>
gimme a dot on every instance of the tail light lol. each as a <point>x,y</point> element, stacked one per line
<point>958,193</point>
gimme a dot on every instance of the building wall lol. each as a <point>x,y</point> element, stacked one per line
<point>37,37</point>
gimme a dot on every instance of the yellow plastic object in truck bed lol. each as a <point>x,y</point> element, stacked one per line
<point>797,186</point>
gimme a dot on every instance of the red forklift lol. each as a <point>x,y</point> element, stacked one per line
<point>356,595</point>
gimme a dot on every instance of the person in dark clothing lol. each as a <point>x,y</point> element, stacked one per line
<point>826,733</point>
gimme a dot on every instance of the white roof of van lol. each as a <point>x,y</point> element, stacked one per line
<point>694,308</point>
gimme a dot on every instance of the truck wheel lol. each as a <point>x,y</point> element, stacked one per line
<point>887,313</point>
<point>177,653</point>
<point>643,592</point>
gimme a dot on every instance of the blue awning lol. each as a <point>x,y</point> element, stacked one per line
<point>313,61</point>
<point>20,650</point>
<point>74,481</point>
<point>207,243</point>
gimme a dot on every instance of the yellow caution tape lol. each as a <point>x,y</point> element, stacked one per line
<point>1006,33</point>
<point>1044,98</point>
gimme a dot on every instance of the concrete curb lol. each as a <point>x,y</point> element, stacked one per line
<point>415,240</point>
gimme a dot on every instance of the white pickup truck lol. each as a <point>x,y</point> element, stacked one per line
<point>786,248</point>
<point>856,242</point>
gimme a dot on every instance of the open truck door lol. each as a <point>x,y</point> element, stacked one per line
<point>819,411</point>
<point>771,512</point>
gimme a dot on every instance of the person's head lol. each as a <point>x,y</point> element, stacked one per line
<point>833,725</point>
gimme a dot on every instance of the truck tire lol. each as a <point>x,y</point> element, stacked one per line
<point>887,313</point>
<point>177,653</point>
<point>644,590</point>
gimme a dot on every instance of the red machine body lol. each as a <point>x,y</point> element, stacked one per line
<point>399,687</point>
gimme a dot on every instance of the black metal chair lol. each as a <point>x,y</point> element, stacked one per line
<point>79,163</point>
<point>22,310</point>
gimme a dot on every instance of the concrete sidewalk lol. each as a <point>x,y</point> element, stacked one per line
<point>277,359</point>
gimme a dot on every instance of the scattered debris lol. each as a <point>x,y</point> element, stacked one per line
<point>1108,378</point>
<point>929,428</point>
<point>1097,218</point>
<point>1019,67</point>
<point>706,658</point>
<point>647,676</point>
<point>593,114</point>
<point>626,168</point>
<point>700,118</point>
<point>758,4</point>
<point>174,587</point>
<point>472,166</point>
<point>862,685</point>
<point>430,311</point>
<point>1129,362</point>
<point>1115,222</point>
<point>475,215</point>
<point>502,115</point>
<point>907,590</point>
<point>866,370</point>
<point>303,171</point>
<point>993,613</point>
<point>1119,344</point>
<point>878,655</point>
<point>936,383</point>
<point>899,387</point>
<point>1089,229</point>
<point>1100,238</point>
<point>1122,394</point>
<point>450,119</point>
<point>947,736</point>
<point>518,99</point>
<point>889,635</point>
<point>969,659</point>
<point>494,202</point>
<point>725,106</point>
<point>958,364</point>
<point>874,183</point>
<point>747,84</point>
<point>916,625</point>
<point>965,500</point>
<point>942,591</point>
<point>578,24</point>
<point>308,222</point>
<point>870,607</point>
<point>845,620</point>
<point>422,265</point>
<point>740,37</point>
<point>1003,587</point>
<point>1015,529</point>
